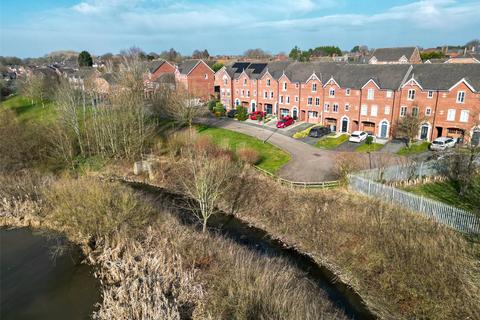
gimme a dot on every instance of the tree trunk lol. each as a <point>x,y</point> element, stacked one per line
<point>204,227</point>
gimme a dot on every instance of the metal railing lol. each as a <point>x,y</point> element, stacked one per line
<point>458,219</point>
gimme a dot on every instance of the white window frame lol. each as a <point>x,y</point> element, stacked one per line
<point>411,95</point>
<point>430,94</point>
<point>314,87</point>
<point>403,111</point>
<point>347,107</point>
<point>335,107</point>
<point>271,94</point>
<point>288,99</point>
<point>373,111</point>
<point>415,111</point>
<point>386,110</point>
<point>317,101</point>
<point>428,111</point>
<point>451,113</point>
<point>461,97</point>
<point>265,94</point>
<point>371,94</point>
<point>284,86</point>
<point>244,82</point>
<point>268,82</point>
<point>347,91</point>
<point>296,98</point>
<point>364,110</point>
<point>326,107</point>
<point>389,93</point>
<point>309,101</point>
<point>313,114</point>
<point>331,93</point>
<point>464,115</point>
<point>281,99</point>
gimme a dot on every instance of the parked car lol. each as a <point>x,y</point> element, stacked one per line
<point>318,132</point>
<point>232,113</point>
<point>442,143</point>
<point>358,136</point>
<point>285,122</point>
<point>256,115</point>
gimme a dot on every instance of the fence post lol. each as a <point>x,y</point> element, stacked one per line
<point>368,187</point>
<point>421,203</point>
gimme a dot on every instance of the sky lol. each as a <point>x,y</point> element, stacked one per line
<point>31,28</point>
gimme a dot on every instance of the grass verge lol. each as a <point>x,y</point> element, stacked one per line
<point>28,111</point>
<point>414,149</point>
<point>369,147</point>
<point>331,143</point>
<point>272,158</point>
<point>447,192</point>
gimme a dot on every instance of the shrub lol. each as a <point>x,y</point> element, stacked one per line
<point>249,155</point>
<point>369,140</point>
<point>87,208</point>
<point>242,113</point>
<point>211,105</point>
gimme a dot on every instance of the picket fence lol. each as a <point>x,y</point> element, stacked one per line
<point>401,172</point>
<point>452,217</point>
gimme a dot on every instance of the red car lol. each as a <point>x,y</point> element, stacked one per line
<point>257,115</point>
<point>285,122</point>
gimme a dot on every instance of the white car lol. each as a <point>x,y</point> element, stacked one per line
<point>358,136</point>
<point>442,143</point>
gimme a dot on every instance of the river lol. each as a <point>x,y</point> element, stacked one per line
<point>35,286</point>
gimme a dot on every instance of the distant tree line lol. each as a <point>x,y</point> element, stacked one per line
<point>305,55</point>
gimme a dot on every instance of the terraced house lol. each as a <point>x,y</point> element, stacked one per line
<point>369,97</point>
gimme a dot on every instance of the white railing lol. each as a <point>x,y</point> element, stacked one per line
<point>458,219</point>
<point>401,172</point>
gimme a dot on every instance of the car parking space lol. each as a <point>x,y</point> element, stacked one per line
<point>349,146</point>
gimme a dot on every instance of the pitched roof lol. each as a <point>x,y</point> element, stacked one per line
<point>393,54</point>
<point>186,66</point>
<point>155,64</point>
<point>385,76</point>
<point>166,78</point>
<point>444,76</point>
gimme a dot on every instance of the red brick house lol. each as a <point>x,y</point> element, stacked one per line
<point>404,55</point>
<point>349,97</point>
<point>196,77</point>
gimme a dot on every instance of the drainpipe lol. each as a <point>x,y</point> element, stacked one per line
<point>360,108</point>
<point>393,112</point>
<point>434,115</point>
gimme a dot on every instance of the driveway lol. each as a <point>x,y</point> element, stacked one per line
<point>307,164</point>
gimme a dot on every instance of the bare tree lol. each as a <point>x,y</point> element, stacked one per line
<point>408,128</point>
<point>178,105</point>
<point>203,179</point>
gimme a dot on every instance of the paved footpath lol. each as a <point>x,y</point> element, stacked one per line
<point>307,164</point>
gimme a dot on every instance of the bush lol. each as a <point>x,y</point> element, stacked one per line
<point>211,105</point>
<point>242,113</point>
<point>369,140</point>
<point>219,109</point>
<point>88,208</point>
<point>249,155</point>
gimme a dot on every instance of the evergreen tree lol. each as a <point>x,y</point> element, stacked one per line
<point>85,59</point>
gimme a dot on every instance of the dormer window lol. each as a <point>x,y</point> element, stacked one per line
<point>268,82</point>
<point>461,97</point>
<point>332,92</point>
<point>411,94</point>
<point>314,87</point>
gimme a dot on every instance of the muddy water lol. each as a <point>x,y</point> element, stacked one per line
<point>35,286</point>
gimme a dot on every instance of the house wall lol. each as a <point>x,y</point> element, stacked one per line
<point>306,90</point>
<point>342,99</point>
<point>223,80</point>
<point>164,68</point>
<point>200,81</point>
<point>262,87</point>
<point>289,93</point>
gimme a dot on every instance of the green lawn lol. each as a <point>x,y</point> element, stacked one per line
<point>273,158</point>
<point>372,147</point>
<point>446,192</point>
<point>414,148</point>
<point>331,143</point>
<point>26,111</point>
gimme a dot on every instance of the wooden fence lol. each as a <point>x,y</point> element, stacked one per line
<point>458,219</point>
<point>320,185</point>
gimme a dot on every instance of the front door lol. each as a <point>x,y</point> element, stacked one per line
<point>269,108</point>
<point>344,125</point>
<point>383,130</point>
<point>253,106</point>
<point>294,114</point>
<point>476,138</point>
<point>424,132</point>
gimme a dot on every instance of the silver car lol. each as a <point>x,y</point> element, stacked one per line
<point>442,143</point>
